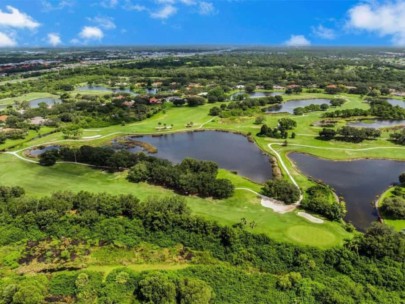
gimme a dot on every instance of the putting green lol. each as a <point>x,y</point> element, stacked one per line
<point>311,235</point>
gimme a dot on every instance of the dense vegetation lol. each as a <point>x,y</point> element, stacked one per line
<point>190,177</point>
<point>393,206</point>
<point>284,124</point>
<point>320,199</point>
<point>65,228</point>
<point>281,190</point>
<point>350,134</point>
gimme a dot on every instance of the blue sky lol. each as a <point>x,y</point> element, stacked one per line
<point>167,22</point>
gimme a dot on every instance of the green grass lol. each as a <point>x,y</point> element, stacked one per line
<point>26,97</point>
<point>106,269</point>
<point>398,225</point>
<point>39,181</point>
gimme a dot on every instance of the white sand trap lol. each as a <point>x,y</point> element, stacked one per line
<point>277,206</point>
<point>92,137</point>
<point>310,217</point>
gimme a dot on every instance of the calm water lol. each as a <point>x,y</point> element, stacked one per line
<point>397,102</point>
<point>289,106</point>
<point>256,94</point>
<point>230,151</point>
<point>39,151</point>
<point>49,101</point>
<point>377,124</point>
<point>104,89</point>
<point>359,182</point>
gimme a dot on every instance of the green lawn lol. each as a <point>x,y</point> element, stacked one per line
<point>26,97</point>
<point>39,181</point>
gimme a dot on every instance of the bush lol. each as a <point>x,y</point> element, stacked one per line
<point>48,158</point>
<point>320,200</point>
<point>394,208</point>
<point>157,288</point>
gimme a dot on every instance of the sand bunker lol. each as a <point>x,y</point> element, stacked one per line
<point>277,206</point>
<point>310,217</point>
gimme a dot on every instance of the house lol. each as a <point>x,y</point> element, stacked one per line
<point>37,121</point>
<point>3,118</point>
<point>293,86</point>
<point>154,100</point>
<point>331,86</point>
<point>278,87</point>
<point>240,87</point>
<point>203,94</point>
<point>128,104</point>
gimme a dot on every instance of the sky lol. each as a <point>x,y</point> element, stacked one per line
<point>295,23</point>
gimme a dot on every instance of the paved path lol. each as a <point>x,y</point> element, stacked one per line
<point>297,203</point>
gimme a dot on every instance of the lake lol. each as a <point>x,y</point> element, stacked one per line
<point>230,151</point>
<point>104,89</point>
<point>377,124</point>
<point>358,182</point>
<point>256,94</point>
<point>289,106</point>
<point>40,150</point>
<point>397,102</point>
<point>48,100</point>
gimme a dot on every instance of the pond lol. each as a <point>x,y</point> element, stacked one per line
<point>230,151</point>
<point>377,124</point>
<point>39,150</point>
<point>256,94</point>
<point>48,100</point>
<point>289,106</point>
<point>358,182</point>
<point>104,89</point>
<point>397,102</point>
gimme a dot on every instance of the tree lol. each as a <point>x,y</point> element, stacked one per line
<point>259,120</point>
<point>194,291</point>
<point>157,288</point>
<point>48,158</point>
<point>287,123</point>
<point>250,88</point>
<point>215,111</point>
<point>394,208</point>
<point>401,178</point>
<point>327,134</point>
<point>281,190</point>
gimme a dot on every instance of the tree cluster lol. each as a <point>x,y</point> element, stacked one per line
<point>281,190</point>
<point>350,134</point>
<point>190,177</point>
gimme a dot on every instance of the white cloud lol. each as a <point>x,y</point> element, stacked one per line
<point>104,22</point>
<point>165,12</point>
<point>54,39</point>
<point>16,19</point>
<point>188,2</point>
<point>109,3</point>
<point>6,41</point>
<point>48,6</point>
<point>135,7</point>
<point>206,8</point>
<point>297,40</point>
<point>324,32</point>
<point>384,19</point>
<point>91,33</point>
